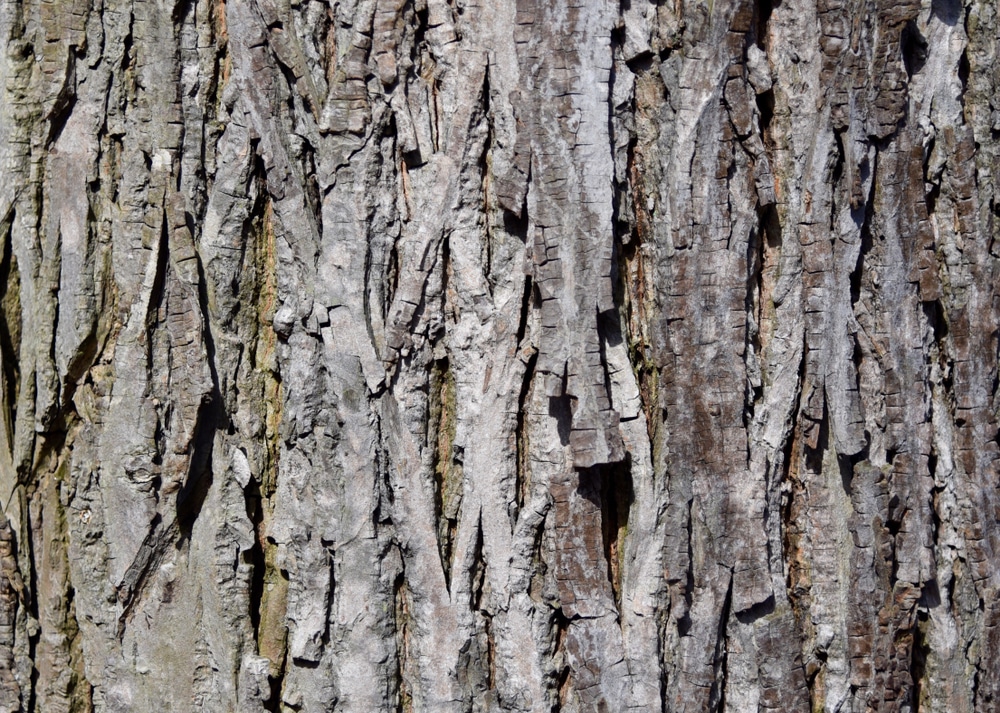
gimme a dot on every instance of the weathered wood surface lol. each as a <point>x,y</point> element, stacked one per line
<point>431,355</point>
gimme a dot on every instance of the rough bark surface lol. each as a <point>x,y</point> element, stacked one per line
<point>445,355</point>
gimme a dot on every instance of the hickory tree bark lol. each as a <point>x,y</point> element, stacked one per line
<point>517,355</point>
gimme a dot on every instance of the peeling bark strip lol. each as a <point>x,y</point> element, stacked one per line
<point>424,355</point>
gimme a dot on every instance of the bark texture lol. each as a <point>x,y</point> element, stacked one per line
<point>530,355</point>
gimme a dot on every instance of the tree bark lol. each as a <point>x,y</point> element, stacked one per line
<point>431,355</point>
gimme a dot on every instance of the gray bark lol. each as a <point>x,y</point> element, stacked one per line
<point>426,355</point>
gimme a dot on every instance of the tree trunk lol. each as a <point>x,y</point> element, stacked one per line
<point>430,355</point>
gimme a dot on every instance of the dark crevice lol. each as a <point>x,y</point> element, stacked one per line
<point>618,35</point>
<point>837,174</point>
<point>765,107</point>
<point>625,219</point>
<point>913,47</point>
<point>764,10</point>
<point>963,71</point>
<point>859,269</point>
<point>814,456</point>
<point>523,473</point>
<point>517,225</point>
<point>491,653</point>
<point>770,223</point>
<point>860,203</point>
<point>936,317</point>
<point>255,513</point>
<point>785,499</point>
<point>52,417</point>
<point>894,522</point>
<point>182,11</point>
<point>275,684</point>
<point>609,334</point>
<point>447,308</point>
<point>382,513</point>
<point>933,183</point>
<point>366,295</point>
<point>477,572</point>
<point>147,559</point>
<point>717,697</point>
<point>221,417</point>
<point>646,62</point>
<point>191,497</point>
<point>522,321</point>
<point>391,277</point>
<point>331,565</point>
<point>947,11</point>
<point>311,189</point>
<point>794,458</point>
<point>684,623</point>
<point>890,455</point>
<point>10,328</point>
<point>561,409</point>
<point>211,417</point>
<point>485,178</point>
<point>930,594</point>
<point>78,365</point>
<point>757,611</point>
<point>838,168</point>
<point>62,107</point>
<point>919,652</point>
<point>846,464</point>
<point>419,45</point>
<point>157,296</point>
<point>662,653</point>
<point>563,682</point>
<point>617,495</point>
<point>29,598</point>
